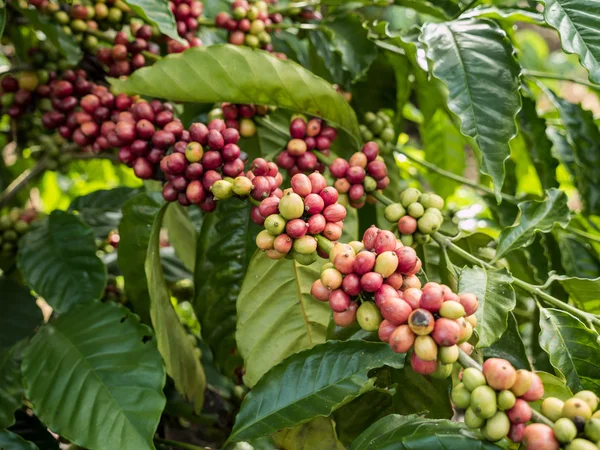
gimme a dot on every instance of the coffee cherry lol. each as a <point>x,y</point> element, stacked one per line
<point>574,407</point>
<point>551,407</point>
<point>536,391</point>
<point>421,366</point>
<point>483,401</point>
<point>368,316</point>
<point>421,322</point>
<point>473,378</point>
<point>497,427</point>
<point>538,436</point>
<point>346,318</point>
<point>472,420</point>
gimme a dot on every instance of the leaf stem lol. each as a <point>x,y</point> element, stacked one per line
<point>556,76</point>
<point>533,290</point>
<point>21,181</point>
<point>382,198</point>
<point>178,444</point>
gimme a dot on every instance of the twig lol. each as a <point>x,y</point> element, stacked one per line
<point>21,181</point>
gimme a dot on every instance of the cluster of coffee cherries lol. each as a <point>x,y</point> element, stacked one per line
<point>84,112</point>
<point>576,422</point>
<point>418,215</point>
<point>78,18</point>
<point>13,225</point>
<point>114,290</point>
<point>18,95</point>
<point>126,56</point>
<point>240,116</point>
<point>305,14</point>
<point>307,135</point>
<point>248,24</point>
<point>110,244</point>
<point>186,13</point>
<point>202,156</point>
<point>292,223</point>
<point>379,127</point>
<point>363,173</point>
<point>495,400</point>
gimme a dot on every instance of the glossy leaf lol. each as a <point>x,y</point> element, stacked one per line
<point>474,59</point>
<point>182,234</point>
<point>225,246</point>
<point>411,432</point>
<point>55,34</point>
<point>318,433</point>
<point>272,133</point>
<point>58,260</point>
<point>533,129</point>
<point>573,349</point>
<point>112,359</point>
<point>496,300</point>
<point>224,73</point>
<point>311,383</point>
<point>504,15</point>
<point>355,417</point>
<point>134,229</point>
<point>11,391</point>
<point>584,138</point>
<point>101,210</point>
<point>583,291</point>
<point>20,314</point>
<point>534,217</point>
<point>578,258</point>
<point>577,24</point>
<point>277,316</point>
<point>174,344</point>
<point>510,346</point>
<point>416,394</point>
<point>348,38</point>
<point>445,147</point>
<point>12,441</point>
<point>156,12</point>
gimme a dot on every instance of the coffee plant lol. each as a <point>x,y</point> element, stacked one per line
<point>300,225</point>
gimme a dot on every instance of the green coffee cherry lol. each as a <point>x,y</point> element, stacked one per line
<point>242,186</point>
<point>305,260</point>
<point>472,420</point>
<point>431,201</point>
<point>421,238</point>
<point>369,184</point>
<point>552,408</point>
<point>264,240</point>
<point>442,371</point>
<point>408,196</point>
<point>428,223</point>
<point>407,240</point>
<point>506,400</point>
<point>377,125</point>
<point>452,310</point>
<point>275,224</point>
<point>590,398</point>
<point>394,212</point>
<point>483,401</point>
<point>388,135</point>
<point>461,397</point>
<point>370,117</point>
<point>21,226</point>
<point>415,210</point>
<point>581,444</point>
<point>576,407</point>
<point>305,245</point>
<point>222,189</point>
<point>291,206</point>
<point>497,427</point>
<point>448,355</point>
<point>368,316</point>
<point>592,429</point>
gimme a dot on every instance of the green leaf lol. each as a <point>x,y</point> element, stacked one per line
<point>496,300</point>
<point>273,133</point>
<point>474,59</point>
<point>534,216</point>
<point>578,258</point>
<point>441,9</point>
<point>577,24</point>
<point>223,73</point>
<point>445,147</point>
<point>510,346</point>
<point>355,417</point>
<point>112,359</point>
<point>423,395</point>
<point>55,34</point>
<point>11,391</point>
<point>58,260</point>
<point>349,39</point>
<point>2,20</point>
<point>156,13</point>
<point>583,291</point>
<point>311,383</point>
<point>139,213</point>
<point>413,432</point>
<point>12,441</point>
<point>318,433</point>
<point>176,348</point>
<point>503,15</point>
<point>20,313</point>
<point>225,247</point>
<point>584,137</point>
<point>101,210</point>
<point>182,234</point>
<point>573,349</point>
<point>533,129</point>
<point>277,316</point>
